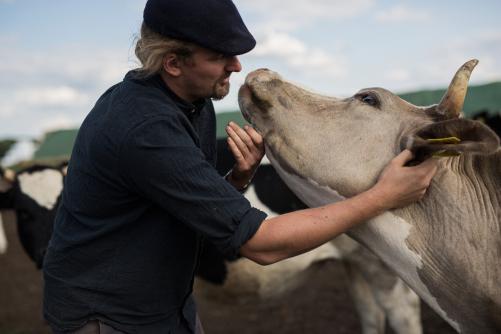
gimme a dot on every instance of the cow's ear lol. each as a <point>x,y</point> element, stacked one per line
<point>450,138</point>
<point>7,179</point>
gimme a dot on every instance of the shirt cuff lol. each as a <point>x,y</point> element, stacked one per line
<point>247,227</point>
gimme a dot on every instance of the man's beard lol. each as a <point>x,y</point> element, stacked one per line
<point>220,90</point>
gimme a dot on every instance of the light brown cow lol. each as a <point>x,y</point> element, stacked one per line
<point>447,247</point>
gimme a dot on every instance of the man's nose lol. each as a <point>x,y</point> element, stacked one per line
<point>233,64</point>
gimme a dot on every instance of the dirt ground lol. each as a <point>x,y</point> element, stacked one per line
<point>320,306</point>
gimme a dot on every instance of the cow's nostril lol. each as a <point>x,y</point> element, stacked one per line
<point>284,102</point>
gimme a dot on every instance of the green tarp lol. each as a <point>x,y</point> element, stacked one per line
<point>57,145</point>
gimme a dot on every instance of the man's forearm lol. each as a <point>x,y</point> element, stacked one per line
<point>300,231</point>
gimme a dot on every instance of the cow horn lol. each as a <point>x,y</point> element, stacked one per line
<point>451,104</point>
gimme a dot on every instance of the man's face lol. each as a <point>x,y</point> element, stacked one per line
<point>206,74</point>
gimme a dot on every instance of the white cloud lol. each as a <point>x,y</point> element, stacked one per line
<point>38,88</point>
<point>50,96</point>
<point>279,45</point>
<point>401,13</point>
<point>69,63</point>
<point>398,74</point>
<point>312,9</point>
<point>293,14</point>
<point>431,66</point>
<point>35,99</point>
<point>298,55</point>
<point>448,57</point>
<point>57,122</point>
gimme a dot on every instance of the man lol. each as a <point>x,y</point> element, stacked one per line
<point>142,191</point>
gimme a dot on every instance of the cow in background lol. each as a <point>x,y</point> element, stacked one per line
<point>492,121</point>
<point>34,194</point>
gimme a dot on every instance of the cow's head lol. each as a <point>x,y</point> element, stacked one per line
<point>315,136</point>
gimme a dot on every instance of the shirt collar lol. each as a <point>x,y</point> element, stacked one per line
<point>156,80</point>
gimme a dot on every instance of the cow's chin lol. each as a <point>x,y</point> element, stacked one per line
<point>308,190</point>
<point>244,101</point>
<point>249,110</point>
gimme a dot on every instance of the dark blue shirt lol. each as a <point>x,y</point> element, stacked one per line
<point>140,194</point>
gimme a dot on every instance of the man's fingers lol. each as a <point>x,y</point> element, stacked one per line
<point>404,157</point>
<point>244,149</point>
<point>429,164</point>
<point>235,150</point>
<point>244,136</point>
<point>255,136</point>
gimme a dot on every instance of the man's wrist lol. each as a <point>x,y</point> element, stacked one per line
<point>378,199</point>
<point>240,182</point>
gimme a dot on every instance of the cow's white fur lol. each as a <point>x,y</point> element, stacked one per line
<point>43,186</point>
<point>391,247</point>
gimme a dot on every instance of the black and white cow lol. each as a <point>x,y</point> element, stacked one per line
<point>34,194</point>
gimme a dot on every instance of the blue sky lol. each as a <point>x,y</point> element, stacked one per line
<point>57,57</point>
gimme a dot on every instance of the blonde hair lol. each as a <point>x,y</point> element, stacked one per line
<point>151,47</point>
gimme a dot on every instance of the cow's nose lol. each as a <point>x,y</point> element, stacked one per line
<point>260,75</point>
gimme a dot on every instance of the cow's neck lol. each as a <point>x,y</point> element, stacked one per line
<point>408,248</point>
<point>450,254</point>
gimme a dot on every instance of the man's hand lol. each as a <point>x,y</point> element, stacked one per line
<point>247,147</point>
<point>399,185</point>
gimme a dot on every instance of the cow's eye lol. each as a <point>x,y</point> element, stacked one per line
<point>369,99</point>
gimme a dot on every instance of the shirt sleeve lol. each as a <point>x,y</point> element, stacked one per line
<point>161,162</point>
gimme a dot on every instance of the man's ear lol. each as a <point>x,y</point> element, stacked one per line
<point>171,64</point>
<point>450,138</point>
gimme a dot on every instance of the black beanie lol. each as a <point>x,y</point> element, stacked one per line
<point>213,24</point>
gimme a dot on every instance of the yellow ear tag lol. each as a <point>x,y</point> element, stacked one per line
<point>447,140</point>
<point>446,153</point>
